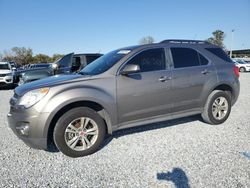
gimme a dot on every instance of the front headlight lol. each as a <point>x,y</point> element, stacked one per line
<point>32,97</point>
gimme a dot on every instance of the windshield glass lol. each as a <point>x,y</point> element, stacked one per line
<point>104,63</point>
<point>4,66</point>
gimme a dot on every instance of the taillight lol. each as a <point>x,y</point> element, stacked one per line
<point>236,71</point>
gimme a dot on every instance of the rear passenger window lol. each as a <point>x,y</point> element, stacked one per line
<point>219,53</point>
<point>150,60</point>
<point>203,60</point>
<point>185,57</point>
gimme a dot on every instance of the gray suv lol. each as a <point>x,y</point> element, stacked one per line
<point>125,88</point>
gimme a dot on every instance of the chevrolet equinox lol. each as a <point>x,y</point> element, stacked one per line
<point>125,88</point>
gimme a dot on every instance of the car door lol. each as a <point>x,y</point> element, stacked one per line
<point>144,94</point>
<point>190,72</point>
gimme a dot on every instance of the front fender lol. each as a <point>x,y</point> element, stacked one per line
<point>66,97</point>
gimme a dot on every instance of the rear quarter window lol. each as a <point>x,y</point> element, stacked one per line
<point>219,53</point>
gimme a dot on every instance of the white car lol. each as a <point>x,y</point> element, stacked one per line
<point>6,74</point>
<point>242,65</point>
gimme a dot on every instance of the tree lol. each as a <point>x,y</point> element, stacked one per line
<point>41,58</point>
<point>217,38</point>
<point>20,55</point>
<point>147,40</point>
<point>7,56</point>
<point>55,57</point>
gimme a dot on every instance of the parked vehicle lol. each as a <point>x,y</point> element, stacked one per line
<point>13,65</point>
<point>242,65</point>
<point>125,88</point>
<point>6,74</point>
<point>39,65</point>
<point>68,64</point>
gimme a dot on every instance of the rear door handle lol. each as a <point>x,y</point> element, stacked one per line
<point>205,71</point>
<point>164,78</point>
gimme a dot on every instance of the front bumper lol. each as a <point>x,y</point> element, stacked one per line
<point>6,80</point>
<point>247,69</point>
<point>35,136</point>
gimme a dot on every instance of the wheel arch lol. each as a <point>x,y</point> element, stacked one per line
<point>84,103</point>
<point>223,87</point>
<point>226,88</point>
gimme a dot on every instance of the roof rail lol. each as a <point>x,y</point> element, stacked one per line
<point>178,41</point>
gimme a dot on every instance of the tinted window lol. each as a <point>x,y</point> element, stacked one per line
<point>203,60</point>
<point>150,60</point>
<point>90,58</point>
<point>76,61</point>
<point>185,57</point>
<point>65,61</point>
<point>219,53</point>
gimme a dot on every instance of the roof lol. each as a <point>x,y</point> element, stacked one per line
<point>88,54</point>
<point>171,41</point>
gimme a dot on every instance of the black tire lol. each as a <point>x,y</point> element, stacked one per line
<point>242,69</point>
<point>207,114</point>
<point>66,119</point>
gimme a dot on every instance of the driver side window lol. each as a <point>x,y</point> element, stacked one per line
<point>150,60</point>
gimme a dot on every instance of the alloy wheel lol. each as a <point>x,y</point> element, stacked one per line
<point>220,108</point>
<point>81,133</point>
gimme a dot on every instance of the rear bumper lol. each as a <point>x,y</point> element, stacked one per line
<point>236,91</point>
<point>35,135</point>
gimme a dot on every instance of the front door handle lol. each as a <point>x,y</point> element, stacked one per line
<point>205,71</point>
<point>164,78</point>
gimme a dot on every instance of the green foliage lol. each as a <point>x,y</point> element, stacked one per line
<point>147,40</point>
<point>23,56</point>
<point>42,58</point>
<point>217,38</point>
<point>55,57</point>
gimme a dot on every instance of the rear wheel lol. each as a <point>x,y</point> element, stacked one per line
<point>79,132</point>
<point>217,108</point>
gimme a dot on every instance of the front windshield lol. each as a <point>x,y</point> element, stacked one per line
<point>104,62</point>
<point>4,66</point>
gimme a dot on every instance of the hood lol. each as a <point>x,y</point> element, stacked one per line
<point>4,71</point>
<point>48,82</point>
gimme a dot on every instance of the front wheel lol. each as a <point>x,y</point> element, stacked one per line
<point>79,132</point>
<point>217,108</point>
<point>242,69</point>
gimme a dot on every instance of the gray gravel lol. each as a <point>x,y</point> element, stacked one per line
<point>178,153</point>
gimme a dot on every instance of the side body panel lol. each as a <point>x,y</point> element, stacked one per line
<point>142,95</point>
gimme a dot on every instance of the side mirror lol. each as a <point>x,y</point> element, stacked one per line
<point>130,68</point>
<point>14,68</point>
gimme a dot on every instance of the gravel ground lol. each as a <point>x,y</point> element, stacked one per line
<point>178,153</point>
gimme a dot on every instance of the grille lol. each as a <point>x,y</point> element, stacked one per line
<point>2,75</point>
